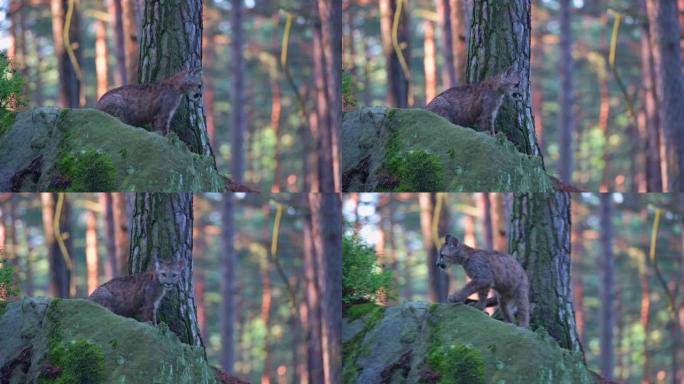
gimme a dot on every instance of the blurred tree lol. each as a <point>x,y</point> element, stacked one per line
<point>397,82</point>
<point>567,121</point>
<point>228,286</point>
<point>69,75</point>
<point>449,67</point>
<point>60,273</point>
<point>107,209</point>
<point>121,76</point>
<point>438,282</point>
<point>92,252</point>
<point>239,121</point>
<point>607,271</point>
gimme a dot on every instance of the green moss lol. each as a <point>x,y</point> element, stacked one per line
<point>353,348</point>
<point>7,118</point>
<point>89,171</point>
<point>82,362</point>
<point>3,307</point>
<point>456,364</point>
<point>356,311</point>
<point>417,170</point>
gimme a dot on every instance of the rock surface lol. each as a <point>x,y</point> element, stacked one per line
<point>134,352</point>
<point>380,146</point>
<point>31,151</point>
<point>393,345</point>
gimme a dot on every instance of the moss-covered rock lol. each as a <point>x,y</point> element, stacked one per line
<point>449,343</point>
<point>415,150</point>
<point>77,341</point>
<point>88,150</point>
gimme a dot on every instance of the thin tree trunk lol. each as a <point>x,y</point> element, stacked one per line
<point>266,303</point>
<point>645,311</point>
<point>397,83</point>
<point>169,50</point>
<point>129,19</point>
<point>567,121</point>
<point>437,280</point>
<point>28,283</point>
<point>540,240</point>
<point>38,95</point>
<point>199,240</point>
<point>116,15</point>
<point>449,68</point>
<point>430,61</point>
<point>121,233</point>
<point>311,269</point>
<point>60,275</point>
<point>228,285</point>
<point>110,267</point>
<point>101,56</point>
<point>499,222</point>
<point>238,70</point>
<point>500,38</point>
<point>302,366</point>
<point>208,58</point>
<point>577,243</point>
<point>69,83</point>
<point>669,80</point>
<point>537,61</point>
<point>162,230</point>
<point>607,319</point>
<point>276,114</point>
<point>91,248</point>
<point>458,35</point>
<point>487,227</point>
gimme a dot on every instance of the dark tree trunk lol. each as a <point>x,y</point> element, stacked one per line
<point>669,81</point>
<point>449,68</point>
<point>326,221</point>
<point>171,41</point>
<point>458,35</point>
<point>116,15</point>
<point>60,275</point>
<point>438,281</point>
<point>110,265</point>
<point>120,207</point>
<point>567,121</point>
<point>499,38</point>
<point>313,337</point>
<point>397,83</point>
<point>540,239</point>
<point>69,83</point>
<point>131,21</point>
<point>487,226</point>
<point>607,270</point>
<point>162,230</point>
<point>228,286</point>
<point>237,93</point>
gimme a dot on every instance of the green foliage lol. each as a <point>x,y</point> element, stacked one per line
<point>363,280</point>
<point>457,364</point>
<point>11,87</point>
<point>82,362</point>
<point>89,171</point>
<point>418,171</point>
<point>348,95</point>
<point>8,283</point>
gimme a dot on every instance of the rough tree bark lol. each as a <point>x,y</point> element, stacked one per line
<point>397,83</point>
<point>161,229</point>
<point>567,94</point>
<point>228,305</point>
<point>540,239</point>
<point>500,38</point>
<point>607,318</point>
<point>669,80</point>
<point>171,41</point>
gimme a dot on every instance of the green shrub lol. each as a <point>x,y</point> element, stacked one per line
<point>82,362</point>
<point>348,96</point>
<point>89,171</point>
<point>363,280</point>
<point>418,171</point>
<point>8,283</point>
<point>11,89</point>
<point>457,364</point>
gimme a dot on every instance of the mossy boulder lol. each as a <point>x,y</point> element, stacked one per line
<point>77,341</point>
<point>415,150</point>
<point>88,150</point>
<point>450,343</point>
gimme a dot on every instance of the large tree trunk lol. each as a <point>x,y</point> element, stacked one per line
<point>665,34</point>
<point>326,214</point>
<point>162,230</point>
<point>607,318</point>
<point>540,239</point>
<point>567,121</point>
<point>500,38</point>
<point>397,83</point>
<point>238,71</point>
<point>449,67</point>
<point>171,41</point>
<point>228,286</point>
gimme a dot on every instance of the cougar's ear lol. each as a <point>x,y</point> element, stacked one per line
<point>447,238</point>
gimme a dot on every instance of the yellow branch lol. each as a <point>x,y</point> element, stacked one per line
<point>395,40</point>
<point>652,256</point>
<point>67,43</point>
<point>276,228</point>
<point>58,232</point>
<point>286,40</point>
<point>611,63</point>
<point>435,219</point>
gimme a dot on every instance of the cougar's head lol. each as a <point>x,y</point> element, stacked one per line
<point>449,253</point>
<point>169,272</point>
<point>192,83</point>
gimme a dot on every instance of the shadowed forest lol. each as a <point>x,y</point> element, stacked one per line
<point>602,76</point>
<point>258,294</point>
<point>623,265</point>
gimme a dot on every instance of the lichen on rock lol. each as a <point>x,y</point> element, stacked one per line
<point>415,150</point>
<point>443,343</point>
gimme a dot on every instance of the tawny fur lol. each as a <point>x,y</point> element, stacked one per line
<point>154,103</point>
<point>489,270</point>
<point>138,296</point>
<point>477,105</point>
